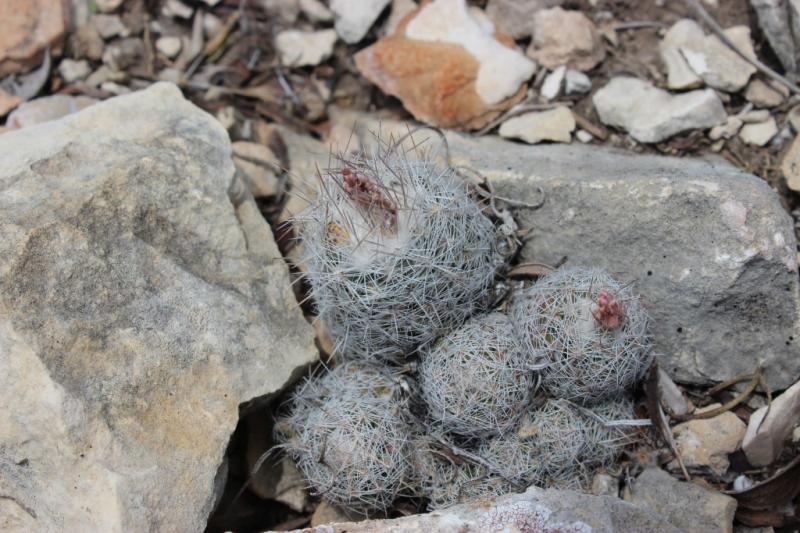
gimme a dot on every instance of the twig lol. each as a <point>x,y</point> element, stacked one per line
<point>727,406</point>
<point>586,124</point>
<point>639,24</point>
<point>719,32</point>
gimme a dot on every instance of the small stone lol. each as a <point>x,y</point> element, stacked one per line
<point>576,82</point>
<point>605,485</point>
<point>763,94</point>
<point>8,102</point>
<point>177,9</point>
<point>104,74</point>
<point>759,134</point>
<point>400,8</point>
<point>765,437</point>
<point>169,46</point>
<point>584,136</point>
<point>325,513</point>
<point>114,88</point>
<point>28,28</point>
<point>173,75</point>
<point>650,114</point>
<point>551,87</point>
<point>72,71</point>
<point>354,18</point>
<point>755,116</point>
<point>679,74</point>
<point>109,26</point>
<point>463,86</point>
<point>742,482</point>
<point>707,442</point>
<point>305,48</point>
<point>211,25</point>
<point>211,3</point>
<point>672,399</point>
<point>258,167</point>
<point>108,6</point>
<point>46,109</point>
<point>286,11</point>
<point>552,125</point>
<point>316,11</point>
<point>87,43</point>
<point>123,53</point>
<point>686,506</point>
<point>515,17</point>
<point>692,56</point>
<point>565,38</point>
<point>227,117</point>
<point>790,165</point>
<point>726,130</point>
<point>793,117</point>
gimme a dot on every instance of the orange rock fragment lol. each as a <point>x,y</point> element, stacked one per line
<point>28,28</point>
<point>434,80</point>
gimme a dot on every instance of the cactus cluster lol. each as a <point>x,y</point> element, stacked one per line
<point>434,394</point>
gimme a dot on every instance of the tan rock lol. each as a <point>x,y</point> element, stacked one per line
<point>790,166</point>
<point>448,67</point>
<point>759,133</point>
<point>28,28</point>
<point>768,431</point>
<point>305,48</point>
<point>763,94</point>
<point>325,513</point>
<point>46,109</point>
<point>258,166</point>
<point>8,102</point>
<point>565,38</point>
<point>551,125</point>
<point>707,442</point>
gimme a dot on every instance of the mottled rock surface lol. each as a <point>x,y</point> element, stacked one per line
<point>139,307</point>
<point>709,247</point>
<point>537,510</point>
<point>686,506</point>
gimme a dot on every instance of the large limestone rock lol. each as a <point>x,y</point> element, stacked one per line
<point>545,511</point>
<point>139,307</point>
<point>709,247</point>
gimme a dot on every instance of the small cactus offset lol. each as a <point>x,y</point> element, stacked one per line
<point>347,434</point>
<point>445,479</point>
<point>591,329</point>
<point>397,252</point>
<point>478,379</point>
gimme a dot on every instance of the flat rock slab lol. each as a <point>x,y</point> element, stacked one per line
<point>537,510</point>
<point>709,247</point>
<point>139,307</point>
<point>687,506</point>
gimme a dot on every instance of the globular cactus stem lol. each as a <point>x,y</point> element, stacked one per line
<point>397,253</point>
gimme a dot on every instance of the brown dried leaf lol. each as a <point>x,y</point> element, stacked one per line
<point>530,270</point>
<point>776,491</point>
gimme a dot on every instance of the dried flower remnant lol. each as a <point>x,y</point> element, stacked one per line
<point>608,311</point>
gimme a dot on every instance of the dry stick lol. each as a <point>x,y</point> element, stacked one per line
<point>718,31</point>
<point>727,406</point>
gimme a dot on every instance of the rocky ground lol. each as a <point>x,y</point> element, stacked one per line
<point>662,137</point>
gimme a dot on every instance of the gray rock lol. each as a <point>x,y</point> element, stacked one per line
<point>139,308</point>
<point>776,18</point>
<point>72,71</point>
<point>305,48</point>
<point>759,133</point>
<point>354,18</point>
<point>650,114</point>
<point>709,247</point>
<point>515,17</point>
<point>536,510</point>
<point>576,82</point>
<point>688,507</point>
<point>553,82</point>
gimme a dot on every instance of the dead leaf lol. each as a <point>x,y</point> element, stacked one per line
<point>776,491</point>
<point>530,270</point>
